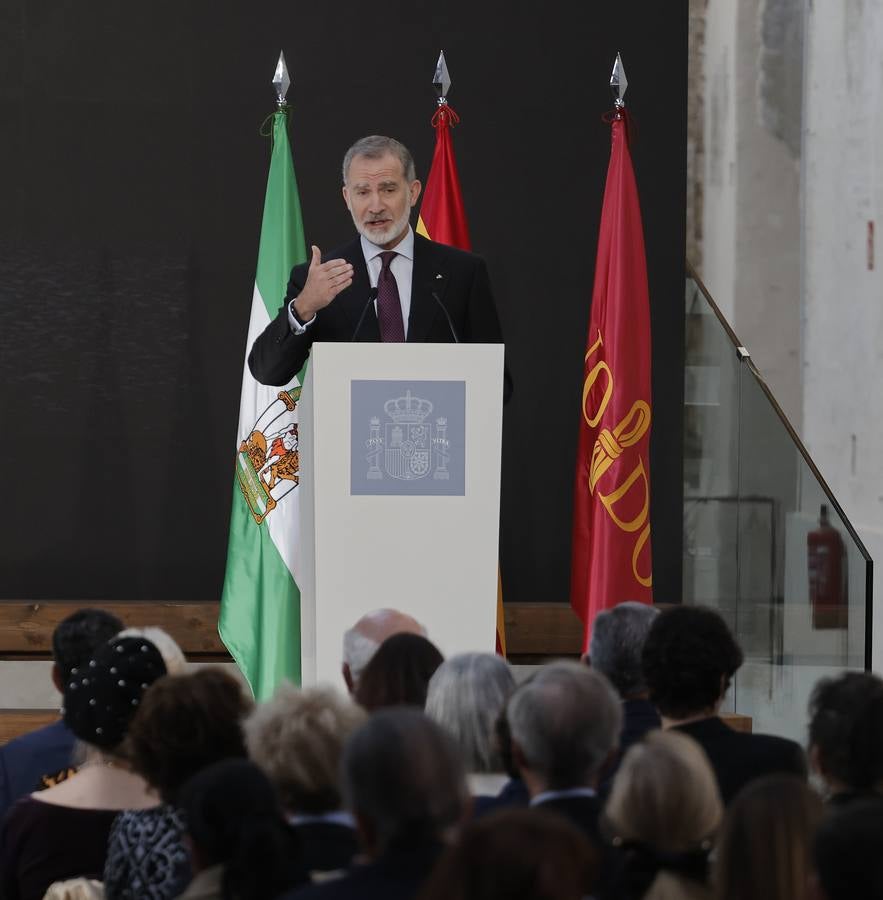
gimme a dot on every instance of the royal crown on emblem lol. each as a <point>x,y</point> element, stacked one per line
<point>407,410</point>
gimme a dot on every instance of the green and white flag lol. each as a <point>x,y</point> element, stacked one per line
<point>260,605</point>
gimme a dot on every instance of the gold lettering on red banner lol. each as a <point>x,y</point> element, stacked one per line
<point>591,378</point>
<point>609,446</point>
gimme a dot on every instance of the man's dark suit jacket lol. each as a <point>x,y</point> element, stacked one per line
<point>458,280</point>
<point>737,758</point>
<point>639,717</point>
<point>513,795</point>
<point>397,875</point>
<point>26,759</point>
<point>326,846</point>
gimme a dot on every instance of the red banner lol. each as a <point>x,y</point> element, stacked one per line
<point>611,523</point>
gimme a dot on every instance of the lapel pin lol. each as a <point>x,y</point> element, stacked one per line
<point>439,276</point>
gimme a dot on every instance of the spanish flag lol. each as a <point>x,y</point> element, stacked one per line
<point>443,218</point>
<point>611,560</point>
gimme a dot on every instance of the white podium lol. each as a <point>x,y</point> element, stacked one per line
<point>400,493</point>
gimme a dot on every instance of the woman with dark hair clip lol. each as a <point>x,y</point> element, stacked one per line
<point>663,812</point>
<point>62,832</point>
<point>240,846</point>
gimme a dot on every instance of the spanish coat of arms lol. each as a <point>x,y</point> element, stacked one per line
<point>405,447</point>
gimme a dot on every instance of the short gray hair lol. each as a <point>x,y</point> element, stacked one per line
<point>618,637</point>
<point>357,651</point>
<point>566,720</point>
<point>403,775</point>
<point>466,695</point>
<point>374,147</point>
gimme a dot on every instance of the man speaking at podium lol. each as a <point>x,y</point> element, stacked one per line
<point>389,284</point>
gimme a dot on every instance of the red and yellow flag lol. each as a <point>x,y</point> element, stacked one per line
<point>611,523</point>
<point>443,218</point>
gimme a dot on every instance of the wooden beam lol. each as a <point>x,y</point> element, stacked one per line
<point>26,627</point>
<point>535,631</point>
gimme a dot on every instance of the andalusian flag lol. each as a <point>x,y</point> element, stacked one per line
<point>443,218</point>
<point>260,606</point>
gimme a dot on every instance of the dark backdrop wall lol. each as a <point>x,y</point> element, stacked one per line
<point>131,184</point>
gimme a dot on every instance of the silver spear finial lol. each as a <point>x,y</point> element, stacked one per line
<point>618,82</point>
<point>281,81</point>
<point>441,81</point>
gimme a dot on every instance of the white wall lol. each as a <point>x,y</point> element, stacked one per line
<point>843,297</point>
<point>751,210</point>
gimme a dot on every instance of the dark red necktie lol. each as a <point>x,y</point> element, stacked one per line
<point>389,307</point>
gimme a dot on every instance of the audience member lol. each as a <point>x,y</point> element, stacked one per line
<point>763,851</point>
<point>62,832</point>
<point>848,853</point>
<point>689,659</point>
<point>361,641</point>
<point>184,723</point>
<point>846,735</point>
<point>398,673</point>
<point>297,738</point>
<point>172,654</point>
<point>565,722</point>
<point>403,781</point>
<point>618,637</point>
<point>42,758</point>
<point>516,855</point>
<point>663,812</point>
<point>241,848</point>
<point>466,696</point>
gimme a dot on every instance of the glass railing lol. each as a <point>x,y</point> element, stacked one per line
<point>765,541</point>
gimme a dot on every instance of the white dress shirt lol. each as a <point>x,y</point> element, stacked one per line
<point>402,268</point>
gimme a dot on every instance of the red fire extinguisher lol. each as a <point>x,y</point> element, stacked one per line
<point>827,567</point>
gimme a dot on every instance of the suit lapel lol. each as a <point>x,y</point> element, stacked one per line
<point>427,278</point>
<point>356,295</point>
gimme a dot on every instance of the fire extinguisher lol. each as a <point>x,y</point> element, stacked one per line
<point>827,568</point>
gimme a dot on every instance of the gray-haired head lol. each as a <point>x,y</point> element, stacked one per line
<point>618,637</point>
<point>466,695</point>
<point>565,721</point>
<point>403,779</point>
<point>376,146</point>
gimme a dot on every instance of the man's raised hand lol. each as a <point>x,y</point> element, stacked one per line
<point>324,282</point>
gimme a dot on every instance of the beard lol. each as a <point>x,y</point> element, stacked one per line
<point>390,233</point>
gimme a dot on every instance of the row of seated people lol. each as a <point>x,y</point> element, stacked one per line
<point>611,778</point>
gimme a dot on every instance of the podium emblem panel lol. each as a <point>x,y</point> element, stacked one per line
<point>408,438</point>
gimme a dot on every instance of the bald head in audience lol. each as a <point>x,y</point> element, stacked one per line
<point>362,640</point>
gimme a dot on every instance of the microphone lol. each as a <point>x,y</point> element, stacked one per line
<point>372,296</point>
<point>447,316</point>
